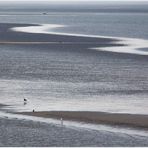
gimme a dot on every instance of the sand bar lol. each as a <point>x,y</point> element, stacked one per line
<point>95,117</point>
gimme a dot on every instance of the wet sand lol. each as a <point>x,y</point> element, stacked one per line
<point>22,133</point>
<point>2,105</point>
<point>95,117</point>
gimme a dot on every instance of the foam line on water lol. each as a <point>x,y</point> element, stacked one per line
<point>132,45</point>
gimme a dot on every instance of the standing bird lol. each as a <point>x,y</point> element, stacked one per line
<point>25,101</point>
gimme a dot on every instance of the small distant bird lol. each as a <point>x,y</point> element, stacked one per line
<point>25,100</point>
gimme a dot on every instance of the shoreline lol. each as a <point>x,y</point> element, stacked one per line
<point>132,120</point>
<point>35,134</point>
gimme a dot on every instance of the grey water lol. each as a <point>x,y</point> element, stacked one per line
<point>108,19</point>
<point>71,79</point>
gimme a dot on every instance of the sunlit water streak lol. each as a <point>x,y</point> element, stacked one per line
<point>132,45</point>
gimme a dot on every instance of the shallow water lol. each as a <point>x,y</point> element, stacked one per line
<point>72,79</point>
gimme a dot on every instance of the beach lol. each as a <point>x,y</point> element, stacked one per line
<point>21,131</point>
<point>131,120</point>
<point>16,132</point>
<point>58,72</point>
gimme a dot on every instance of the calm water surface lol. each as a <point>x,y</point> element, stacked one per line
<point>68,79</point>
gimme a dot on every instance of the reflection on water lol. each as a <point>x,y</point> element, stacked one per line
<point>65,79</point>
<point>75,79</point>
